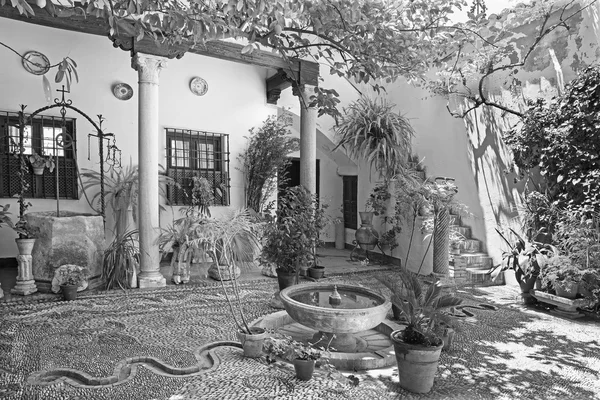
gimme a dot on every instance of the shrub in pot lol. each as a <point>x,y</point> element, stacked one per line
<point>290,240</point>
<point>70,278</point>
<point>418,347</point>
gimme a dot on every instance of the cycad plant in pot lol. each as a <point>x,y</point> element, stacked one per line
<point>418,347</point>
<point>230,240</point>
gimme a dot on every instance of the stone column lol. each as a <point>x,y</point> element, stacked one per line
<point>25,282</point>
<point>148,68</point>
<point>308,138</point>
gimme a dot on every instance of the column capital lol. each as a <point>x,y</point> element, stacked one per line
<point>303,89</point>
<point>148,67</point>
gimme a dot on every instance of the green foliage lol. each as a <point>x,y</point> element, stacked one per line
<point>370,130</point>
<point>562,139</point>
<point>265,159</point>
<point>72,275</point>
<point>26,230</point>
<point>421,308</point>
<point>538,216</point>
<point>4,216</point>
<point>286,348</point>
<point>289,241</point>
<point>576,232</point>
<point>560,269</point>
<point>366,41</point>
<point>120,260</point>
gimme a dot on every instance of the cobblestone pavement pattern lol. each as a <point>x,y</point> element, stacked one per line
<point>157,345</point>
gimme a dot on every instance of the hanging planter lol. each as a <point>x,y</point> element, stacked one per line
<point>38,170</point>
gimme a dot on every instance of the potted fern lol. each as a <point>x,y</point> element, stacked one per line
<point>418,346</point>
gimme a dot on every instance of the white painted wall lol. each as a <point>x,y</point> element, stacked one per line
<point>235,101</point>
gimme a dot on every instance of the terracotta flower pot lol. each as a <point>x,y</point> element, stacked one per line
<point>366,236</point>
<point>316,272</point>
<point>38,170</point>
<point>69,292</point>
<point>253,343</point>
<point>417,365</point>
<point>285,278</point>
<point>304,369</point>
<point>567,290</point>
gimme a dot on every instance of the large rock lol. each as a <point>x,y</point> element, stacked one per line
<point>69,239</point>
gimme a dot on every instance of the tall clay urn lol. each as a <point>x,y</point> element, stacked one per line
<point>366,236</point>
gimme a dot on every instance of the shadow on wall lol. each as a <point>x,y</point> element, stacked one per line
<point>491,161</point>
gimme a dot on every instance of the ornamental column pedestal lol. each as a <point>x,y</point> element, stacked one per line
<point>25,282</point>
<point>308,138</point>
<point>148,68</point>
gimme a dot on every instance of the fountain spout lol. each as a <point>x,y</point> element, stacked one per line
<point>334,298</point>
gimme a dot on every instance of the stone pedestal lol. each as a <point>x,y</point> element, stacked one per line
<point>69,239</point>
<point>564,307</point>
<point>1,293</point>
<point>25,282</point>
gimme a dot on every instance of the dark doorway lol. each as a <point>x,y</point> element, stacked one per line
<point>292,176</point>
<point>349,198</point>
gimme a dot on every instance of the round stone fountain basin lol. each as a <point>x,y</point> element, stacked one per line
<point>361,309</point>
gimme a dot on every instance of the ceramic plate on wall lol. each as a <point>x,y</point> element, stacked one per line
<point>35,62</point>
<point>122,91</point>
<point>198,86</point>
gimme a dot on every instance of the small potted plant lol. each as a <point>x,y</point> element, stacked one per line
<point>563,276</point>
<point>71,278</point>
<point>302,355</point>
<point>27,235</point>
<point>39,162</point>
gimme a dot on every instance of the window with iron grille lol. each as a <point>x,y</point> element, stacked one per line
<point>197,154</point>
<point>39,137</point>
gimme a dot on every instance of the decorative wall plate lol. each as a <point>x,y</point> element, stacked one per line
<point>198,86</point>
<point>122,91</point>
<point>35,62</point>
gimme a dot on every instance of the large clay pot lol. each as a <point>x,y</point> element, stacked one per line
<point>526,287</point>
<point>568,290</point>
<point>25,246</point>
<point>253,343</point>
<point>316,272</point>
<point>417,365</point>
<point>285,278</point>
<point>366,236</point>
<point>304,369</point>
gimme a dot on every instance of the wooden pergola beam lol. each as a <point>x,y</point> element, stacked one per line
<point>218,49</point>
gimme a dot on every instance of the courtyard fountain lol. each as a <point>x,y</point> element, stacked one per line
<point>349,320</point>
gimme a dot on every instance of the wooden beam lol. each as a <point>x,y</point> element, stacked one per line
<point>218,49</point>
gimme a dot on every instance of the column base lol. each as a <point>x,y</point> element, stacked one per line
<point>152,281</point>
<point>1,293</point>
<point>24,288</point>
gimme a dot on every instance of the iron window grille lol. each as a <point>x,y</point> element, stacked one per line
<point>350,203</point>
<point>39,136</point>
<point>197,154</point>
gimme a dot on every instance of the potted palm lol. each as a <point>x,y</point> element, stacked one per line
<point>303,356</point>
<point>39,162</point>
<point>418,347</point>
<point>230,240</point>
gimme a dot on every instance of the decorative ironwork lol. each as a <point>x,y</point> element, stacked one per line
<point>64,141</point>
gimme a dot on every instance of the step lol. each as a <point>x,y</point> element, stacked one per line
<point>474,260</point>
<point>464,231</point>
<point>481,277</point>
<point>470,246</point>
<point>454,220</point>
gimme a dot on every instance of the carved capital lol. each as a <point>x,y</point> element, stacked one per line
<point>148,67</point>
<point>304,92</point>
<point>273,95</point>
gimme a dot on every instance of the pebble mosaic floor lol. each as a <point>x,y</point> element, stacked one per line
<point>159,344</point>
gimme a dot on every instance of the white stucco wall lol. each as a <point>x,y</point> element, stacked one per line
<point>235,101</point>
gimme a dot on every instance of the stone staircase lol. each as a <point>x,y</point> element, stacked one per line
<point>468,264</point>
